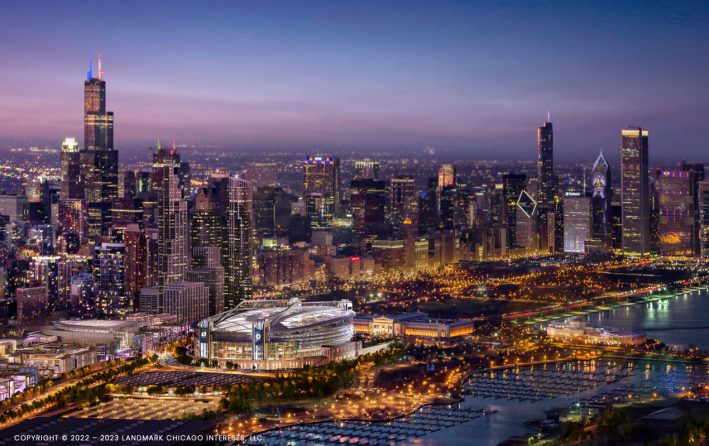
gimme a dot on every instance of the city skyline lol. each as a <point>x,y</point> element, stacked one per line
<point>319,78</point>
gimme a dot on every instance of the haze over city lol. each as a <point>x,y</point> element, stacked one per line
<point>470,77</point>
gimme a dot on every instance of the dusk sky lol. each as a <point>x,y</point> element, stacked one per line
<point>473,77</point>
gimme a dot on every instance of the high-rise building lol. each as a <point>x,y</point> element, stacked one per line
<point>577,221</point>
<point>512,186</point>
<point>83,293</point>
<point>366,170</point>
<point>164,157</point>
<point>172,231</point>
<point>367,201</point>
<point>526,222</point>
<point>321,189</point>
<point>428,208</point>
<point>206,223</point>
<point>635,191</point>
<point>127,186</point>
<point>601,201</point>
<point>703,201</point>
<point>189,301</point>
<point>213,277</point>
<point>68,268</point>
<point>71,170</point>
<point>545,162</point>
<point>44,271</point>
<point>239,262</point>
<point>109,271</point>
<point>32,306</point>
<point>98,161</point>
<point>446,175</point>
<point>72,219</point>
<point>447,207</point>
<point>136,262</point>
<point>401,202</point>
<point>676,214</point>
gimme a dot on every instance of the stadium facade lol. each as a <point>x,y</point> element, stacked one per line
<point>278,334</point>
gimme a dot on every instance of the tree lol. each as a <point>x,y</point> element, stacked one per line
<point>229,365</point>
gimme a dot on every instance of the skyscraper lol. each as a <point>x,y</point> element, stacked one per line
<point>366,170</point>
<point>239,264</point>
<point>136,259</point>
<point>512,187</point>
<point>72,219</point>
<point>703,200</point>
<point>446,175</point>
<point>635,191</point>
<point>526,222</point>
<point>676,213</point>
<point>545,162</point>
<point>71,170</point>
<point>577,221</point>
<point>601,200</point>
<point>321,189</point>
<point>98,161</point>
<point>367,201</point>
<point>401,202</point>
<point>172,232</point>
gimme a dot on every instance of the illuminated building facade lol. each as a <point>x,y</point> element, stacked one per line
<point>703,203</point>
<point>71,170</point>
<point>412,325</point>
<point>635,191</point>
<point>172,232</point>
<point>601,200</point>
<point>401,202</point>
<point>545,163</point>
<point>32,306</point>
<point>136,262</point>
<point>321,189</point>
<point>366,170</point>
<point>72,219</point>
<point>367,203</point>
<point>446,175</point>
<point>577,221</point>
<point>526,222</point>
<point>239,264</point>
<point>98,161</point>
<point>512,186</point>
<point>274,334</point>
<point>676,213</point>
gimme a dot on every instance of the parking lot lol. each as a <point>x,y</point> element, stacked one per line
<point>146,408</point>
<point>182,378</point>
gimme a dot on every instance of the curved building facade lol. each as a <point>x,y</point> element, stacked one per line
<point>274,333</point>
<point>577,329</point>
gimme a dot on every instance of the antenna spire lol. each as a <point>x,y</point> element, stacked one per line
<point>548,113</point>
<point>100,71</point>
<point>174,149</point>
<point>159,144</point>
<point>88,73</point>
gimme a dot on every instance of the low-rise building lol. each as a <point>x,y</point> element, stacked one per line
<point>416,325</point>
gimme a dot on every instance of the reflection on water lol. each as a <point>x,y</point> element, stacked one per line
<point>679,321</point>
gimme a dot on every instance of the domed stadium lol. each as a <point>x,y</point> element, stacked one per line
<point>267,334</point>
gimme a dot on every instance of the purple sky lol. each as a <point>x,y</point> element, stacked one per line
<point>474,77</point>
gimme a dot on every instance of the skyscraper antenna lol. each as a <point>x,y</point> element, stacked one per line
<point>88,73</point>
<point>174,149</point>
<point>100,71</point>
<point>158,143</point>
<point>548,113</point>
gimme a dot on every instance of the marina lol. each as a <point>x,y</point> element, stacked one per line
<point>426,420</point>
